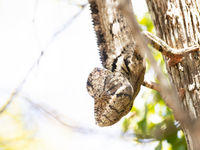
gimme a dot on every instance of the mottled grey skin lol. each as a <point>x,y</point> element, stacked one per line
<point>113,95</point>
<point>115,87</point>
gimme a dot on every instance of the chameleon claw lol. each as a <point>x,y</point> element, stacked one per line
<point>175,60</point>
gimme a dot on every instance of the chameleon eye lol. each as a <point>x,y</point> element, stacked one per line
<point>112,93</point>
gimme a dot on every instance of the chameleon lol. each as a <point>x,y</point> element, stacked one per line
<point>115,86</point>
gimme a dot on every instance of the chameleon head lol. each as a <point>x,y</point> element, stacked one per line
<point>112,93</point>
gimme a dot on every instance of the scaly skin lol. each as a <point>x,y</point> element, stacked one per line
<point>115,87</point>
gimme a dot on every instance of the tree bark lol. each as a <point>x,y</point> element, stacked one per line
<point>177,22</point>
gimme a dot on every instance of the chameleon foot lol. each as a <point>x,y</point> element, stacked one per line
<point>175,55</point>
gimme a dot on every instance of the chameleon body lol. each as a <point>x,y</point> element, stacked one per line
<point>116,85</point>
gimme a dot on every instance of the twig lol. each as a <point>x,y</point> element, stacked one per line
<point>4,107</point>
<point>152,85</point>
<point>57,117</point>
<point>37,61</point>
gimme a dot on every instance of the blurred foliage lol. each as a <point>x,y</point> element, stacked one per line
<point>14,133</point>
<point>152,120</point>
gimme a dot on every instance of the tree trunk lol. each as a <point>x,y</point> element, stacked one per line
<point>177,22</point>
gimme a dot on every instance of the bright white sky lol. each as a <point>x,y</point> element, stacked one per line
<point>59,81</point>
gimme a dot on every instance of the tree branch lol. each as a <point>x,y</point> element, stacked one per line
<point>168,91</point>
<point>152,85</point>
<point>172,99</point>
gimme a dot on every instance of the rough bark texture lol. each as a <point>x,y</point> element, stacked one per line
<point>177,22</point>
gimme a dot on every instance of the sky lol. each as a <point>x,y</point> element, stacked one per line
<point>58,80</point>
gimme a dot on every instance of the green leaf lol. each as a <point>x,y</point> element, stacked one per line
<point>159,146</point>
<point>125,125</point>
<point>146,21</point>
<point>143,123</point>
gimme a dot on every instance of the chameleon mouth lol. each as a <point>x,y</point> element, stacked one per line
<point>107,114</point>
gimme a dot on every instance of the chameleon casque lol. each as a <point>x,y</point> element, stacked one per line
<point>115,86</point>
